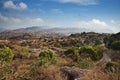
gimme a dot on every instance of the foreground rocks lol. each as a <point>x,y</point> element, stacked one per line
<point>75,73</point>
<point>95,73</point>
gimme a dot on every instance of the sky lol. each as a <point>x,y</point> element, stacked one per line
<point>93,15</point>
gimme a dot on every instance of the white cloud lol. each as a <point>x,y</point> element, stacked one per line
<point>82,2</point>
<point>116,25</point>
<point>92,23</point>
<point>12,22</point>
<point>8,20</point>
<point>11,5</point>
<point>98,22</point>
<point>95,25</point>
<point>3,18</point>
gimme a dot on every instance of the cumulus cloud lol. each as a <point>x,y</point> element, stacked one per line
<point>95,25</point>
<point>11,5</point>
<point>12,22</point>
<point>82,2</point>
<point>92,23</point>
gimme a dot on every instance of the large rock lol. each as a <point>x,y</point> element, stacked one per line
<point>74,73</point>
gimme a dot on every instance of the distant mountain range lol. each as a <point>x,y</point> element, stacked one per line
<point>37,29</point>
<point>39,32</point>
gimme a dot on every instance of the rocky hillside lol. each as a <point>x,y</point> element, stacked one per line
<point>81,56</point>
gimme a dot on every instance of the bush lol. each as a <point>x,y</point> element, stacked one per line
<point>100,50</point>
<point>72,53</point>
<point>6,69</point>
<point>115,45</point>
<point>113,67</point>
<point>47,57</point>
<point>98,42</point>
<point>88,51</point>
<point>6,55</point>
<point>76,53</point>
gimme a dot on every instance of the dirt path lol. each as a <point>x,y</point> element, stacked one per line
<point>95,73</point>
<point>106,58</point>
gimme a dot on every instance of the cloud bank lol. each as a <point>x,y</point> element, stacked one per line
<point>98,26</point>
<point>13,22</point>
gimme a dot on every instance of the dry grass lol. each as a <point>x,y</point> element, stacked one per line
<point>97,73</point>
<point>54,73</point>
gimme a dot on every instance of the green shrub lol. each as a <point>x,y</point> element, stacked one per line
<point>43,62</point>
<point>72,53</point>
<point>76,53</point>
<point>6,55</point>
<point>115,45</point>
<point>98,42</point>
<point>112,63</point>
<point>47,57</point>
<point>6,70</point>
<point>88,51</point>
<point>112,67</point>
<point>100,50</point>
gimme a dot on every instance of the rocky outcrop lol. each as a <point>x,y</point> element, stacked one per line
<point>74,73</point>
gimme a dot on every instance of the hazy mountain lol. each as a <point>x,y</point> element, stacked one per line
<point>37,29</point>
<point>28,29</point>
<point>2,29</point>
<point>40,31</point>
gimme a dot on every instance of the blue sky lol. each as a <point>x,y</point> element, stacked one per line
<point>95,15</point>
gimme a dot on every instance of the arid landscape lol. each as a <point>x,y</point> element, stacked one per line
<point>80,56</point>
<point>59,39</point>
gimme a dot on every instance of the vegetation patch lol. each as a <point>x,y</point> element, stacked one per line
<point>88,51</point>
<point>115,45</point>
<point>85,52</point>
<point>113,41</point>
<point>113,67</point>
<point>73,53</point>
<point>6,72</point>
<point>47,57</point>
<point>21,52</point>
<point>6,54</point>
<point>85,63</point>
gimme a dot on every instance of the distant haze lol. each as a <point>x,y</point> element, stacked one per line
<point>81,15</point>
